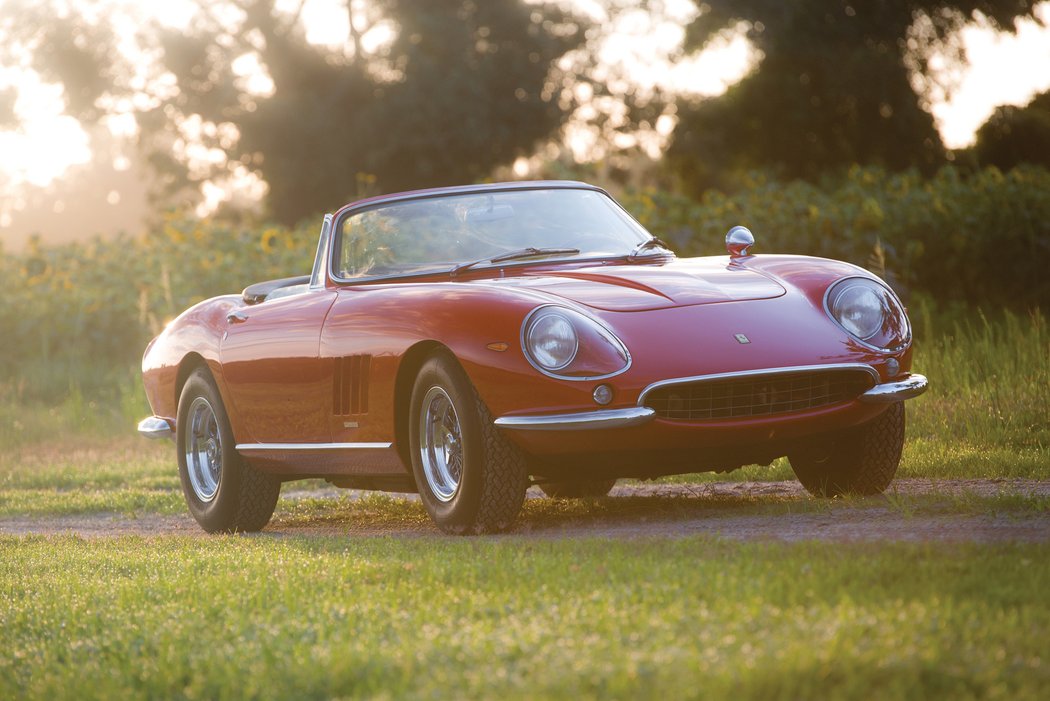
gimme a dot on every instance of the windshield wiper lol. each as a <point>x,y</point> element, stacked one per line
<point>521,254</point>
<point>646,245</point>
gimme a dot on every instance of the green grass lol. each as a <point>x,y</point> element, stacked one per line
<point>989,382</point>
<point>69,477</point>
<point>380,512</point>
<point>320,618</point>
<point>132,477</point>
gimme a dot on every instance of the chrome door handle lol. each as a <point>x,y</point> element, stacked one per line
<point>236,317</point>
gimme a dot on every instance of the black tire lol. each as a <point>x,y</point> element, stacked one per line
<point>578,489</point>
<point>224,493</point>
<point>486,487</point>
<point>859,461</point>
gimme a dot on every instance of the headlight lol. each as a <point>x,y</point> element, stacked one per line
<point>869,312</point>
<point>552,340</point>
<point>564,343</point>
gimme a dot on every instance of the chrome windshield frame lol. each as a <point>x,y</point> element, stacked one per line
<point>317,280</point>
<point>437,193</point>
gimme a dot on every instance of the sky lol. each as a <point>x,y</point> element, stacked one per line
<point>51,152</point>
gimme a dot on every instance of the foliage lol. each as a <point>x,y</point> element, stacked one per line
<point>980,239</point>
<point>79,314</point>
<point>1014,135</point>
<point>460,88</point>
<point>834,87</point>
<point>76,317</point>
<point>470,93</point>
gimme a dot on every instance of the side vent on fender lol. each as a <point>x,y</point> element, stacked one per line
<point>350,385</point>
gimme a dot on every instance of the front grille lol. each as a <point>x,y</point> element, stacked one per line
<point>757,395</point>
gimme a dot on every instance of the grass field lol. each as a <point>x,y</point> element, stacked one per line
<point>319,618</point>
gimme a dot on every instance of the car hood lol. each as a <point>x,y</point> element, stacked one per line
<point>642,287</point>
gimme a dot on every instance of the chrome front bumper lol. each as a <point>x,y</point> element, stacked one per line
<point>908,388</point>
<point>580,421</point>
<point>155,427</point>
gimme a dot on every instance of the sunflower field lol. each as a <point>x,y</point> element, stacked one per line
<point>75,318</point>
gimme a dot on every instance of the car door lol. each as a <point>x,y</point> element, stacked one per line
<point>272,370</point>
<point>361,355</point>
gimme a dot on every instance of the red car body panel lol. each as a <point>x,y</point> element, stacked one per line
<point>331,365</point>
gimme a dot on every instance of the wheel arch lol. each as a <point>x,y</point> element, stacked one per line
<point>191,362</point>
<point>411,362</point>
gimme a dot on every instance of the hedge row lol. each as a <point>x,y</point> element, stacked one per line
<point>75,314</point>
<point>981,238</point>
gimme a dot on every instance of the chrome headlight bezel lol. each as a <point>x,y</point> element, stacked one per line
<point>893,332</point>
<point>598,353</point>
<point>549,323</point>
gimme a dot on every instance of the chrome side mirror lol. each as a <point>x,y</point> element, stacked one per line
<point>739,241</point>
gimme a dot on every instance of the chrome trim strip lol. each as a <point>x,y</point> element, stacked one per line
<point>313,446</point>
<point>155,428</point>
<point>582,421</point>
<point>908,388</point>
<point>766,371</point>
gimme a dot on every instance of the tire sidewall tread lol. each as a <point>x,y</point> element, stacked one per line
<point>861,461</point>
<point>246,498</point>
<point>494,478</point>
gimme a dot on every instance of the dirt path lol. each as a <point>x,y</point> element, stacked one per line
<point>723,509</point>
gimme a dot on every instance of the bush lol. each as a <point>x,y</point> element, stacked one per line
<point>76,317</point>
<point>982,239</point>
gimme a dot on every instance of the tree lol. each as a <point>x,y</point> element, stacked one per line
<point>1015,135</point>
<point>459,87</point>
<point>463,87</point>
<point>834,86</point>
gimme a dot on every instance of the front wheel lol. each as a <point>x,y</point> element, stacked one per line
<point>859,461</point>
<point>470,478</point>
<point>223,492</point>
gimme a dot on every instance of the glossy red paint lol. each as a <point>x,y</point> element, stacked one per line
<point>331,365</point>
<point>273,372</point>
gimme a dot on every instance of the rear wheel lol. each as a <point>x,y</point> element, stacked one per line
<point>860,461</point>
<point>223,492</point>
<point>578,489</point>
<point>470,478</point>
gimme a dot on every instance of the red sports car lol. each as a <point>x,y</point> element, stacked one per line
<point>467,342</point>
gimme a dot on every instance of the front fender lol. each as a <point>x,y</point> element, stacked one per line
<point>193,337</point>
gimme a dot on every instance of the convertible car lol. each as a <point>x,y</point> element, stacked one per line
<point>467,342</point>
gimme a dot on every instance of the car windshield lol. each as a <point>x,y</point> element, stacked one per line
<point>459,231</point>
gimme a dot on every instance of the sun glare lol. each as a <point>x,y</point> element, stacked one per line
<point>1003,70</point>
<point>645,50</point>
<point>48,142</point>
